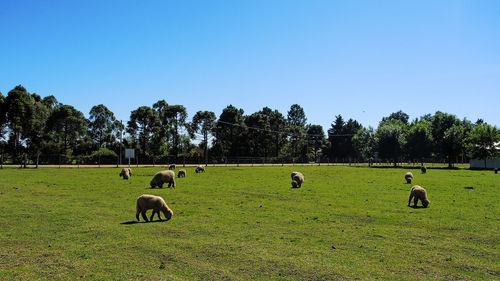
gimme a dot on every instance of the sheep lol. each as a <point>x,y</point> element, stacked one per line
<point>423,169</point>
<point>181,173</point>
<point>171,167</point>
<point>496,170</point>
<point>408,177</point>
<point>297,179</point>
<point>146,202</point>
<point>162,177</point>
<point>199,169</point>
<point>419,193</point>
<point>126,173</point>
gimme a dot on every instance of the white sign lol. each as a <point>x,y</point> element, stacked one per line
<point>129,153</point>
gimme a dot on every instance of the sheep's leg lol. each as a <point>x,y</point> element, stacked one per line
<point>415,201</point>
<point>153,214</point>
<point>161,185</point>
<point>143,213</point>
<point>158,212</point>
<point>137,214</point>
<point>409,200</point>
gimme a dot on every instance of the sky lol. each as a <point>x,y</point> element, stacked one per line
<point>361,59</point>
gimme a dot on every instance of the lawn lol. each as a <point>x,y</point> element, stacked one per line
<point>247,223</point>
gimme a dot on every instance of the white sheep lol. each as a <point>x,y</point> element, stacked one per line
<point>146,202</point>
<point>297,179</point>
<point>171,167</point>
<point>126,173</point>
<point>181,173</point>
<point>418,193</point>
<point>199,169</point>
<point>162,177</point>
<point>408,177</point>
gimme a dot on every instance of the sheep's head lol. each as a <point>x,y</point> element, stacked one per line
<point>168,213</point>
<point>295,184</point>
<point>425,202</point>
<point>408,180</point>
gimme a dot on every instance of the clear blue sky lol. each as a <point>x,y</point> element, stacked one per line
<point>361,59</point>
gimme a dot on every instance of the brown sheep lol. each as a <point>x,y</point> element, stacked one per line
<point>408,177</point>
<point>171,167</point>
<point>199,169</point>
<point>181,173</point>
<point>418,193</point>
<point>423,169</point>
<point>146,202</point>
<point>297,179</point>
<point>162,177</point>
<point>126,173</point>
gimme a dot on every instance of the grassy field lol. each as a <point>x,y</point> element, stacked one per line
<point>247,223</point>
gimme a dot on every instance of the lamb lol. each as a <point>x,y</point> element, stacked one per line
<point>126,173</point>
<point>181,173</point>
<point>408,177</point>
<point>146,202</point>
<point>162,177</point>
<point>423,169</point>
<point>200,169</point>
<point>496,170</point>
<point>419,193</point>
<point>297,179</point>
<point>171,167</point>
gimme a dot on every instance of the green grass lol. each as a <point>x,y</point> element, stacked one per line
<point>247,223</point>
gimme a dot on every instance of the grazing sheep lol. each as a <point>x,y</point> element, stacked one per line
<point>199,169</point>
<point>496,170</point>
<point>146,202</point>
<point>423,169</point>
<point>171,167</point>
<point>419,193</point>
<point>297,179</point>
<point>181,173</point>
<point>162,177</point>
<point>408,177</point>
<point>126,173</point>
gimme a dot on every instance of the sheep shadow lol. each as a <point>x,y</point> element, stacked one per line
<point>417,207</point>
<point>136,222</point>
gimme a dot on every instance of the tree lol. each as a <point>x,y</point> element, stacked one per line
<point>38,136</point>
<point>296,127</point>
<point>315,138</point>
<point>3,115</point>
<point>364,143</point>
<point>419,141</point>
<point>334,137</point>
<point>453,142</point>
<point>176,116</point>
<point>400,115</point>
<point>203,122</point>
<point>441,122</point>
<point>482,141</point>
<point>390,139</point>
<point>277,124</point>
<point>229,131</point>
<point>67,125</point>
<point>102,125</point>
<point>19,108</point>
<point>143,122</point>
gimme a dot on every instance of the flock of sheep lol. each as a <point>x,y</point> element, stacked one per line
<point>156,203</point>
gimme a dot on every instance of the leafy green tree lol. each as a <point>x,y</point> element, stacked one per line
<point>144,121</point>
<point>38,136</point>
<point>102,125</point>
<point>440,123</point>
<point>340,137</point>
<point>203,123</point>
<point>453,141</point>
<point>3,116</point>
<point>419,141</point>
<point>316,138</point>
<point>482,141</point>
<point>229,132</point>
<point>278,125</point>
<point>19,108</point>
<point>164,127</point>
<point>364,143</point>
<point>400,115</point>
<point>67,125</point>
<point>258,137</point>
<point>176,116</point>
<point>390,139</point>
<point>297,130</point>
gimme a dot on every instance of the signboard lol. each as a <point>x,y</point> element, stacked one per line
<point>129,153</point>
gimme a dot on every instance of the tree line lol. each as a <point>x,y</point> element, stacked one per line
<point>42,130</point>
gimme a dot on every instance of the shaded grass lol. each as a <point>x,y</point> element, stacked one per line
<point>242,223</point>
